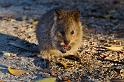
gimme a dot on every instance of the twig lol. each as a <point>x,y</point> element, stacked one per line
<point>101,59</point>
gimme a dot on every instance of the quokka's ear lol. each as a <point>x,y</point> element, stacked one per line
<point>76,14</point>
<point>58,13</point>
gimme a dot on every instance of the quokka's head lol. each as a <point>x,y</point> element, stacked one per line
<point>66,29</point>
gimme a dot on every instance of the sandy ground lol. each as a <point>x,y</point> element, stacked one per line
<point>104,26</point>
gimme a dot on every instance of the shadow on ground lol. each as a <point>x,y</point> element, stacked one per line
<point>15,45</point>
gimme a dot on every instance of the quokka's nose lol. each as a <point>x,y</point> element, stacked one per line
<point>66,42</point>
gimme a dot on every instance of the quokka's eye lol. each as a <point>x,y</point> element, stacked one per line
<point>72,32</point>
<point>62,32</point>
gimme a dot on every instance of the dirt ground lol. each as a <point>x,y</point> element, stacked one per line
<point>103,22</point>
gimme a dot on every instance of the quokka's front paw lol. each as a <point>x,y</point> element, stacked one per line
<point>48,55</point>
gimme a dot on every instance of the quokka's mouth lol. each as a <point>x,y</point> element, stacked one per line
<point>65,49</point>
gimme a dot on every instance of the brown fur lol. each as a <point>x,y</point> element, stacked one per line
<point>59,33</point>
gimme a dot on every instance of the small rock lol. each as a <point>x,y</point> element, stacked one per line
<point>122,72</point>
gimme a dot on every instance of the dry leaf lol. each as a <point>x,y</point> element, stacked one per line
<point>118,40</point>
<point>1,81</point>
<point>51,79</point>
<point>69,81</point>
<point>115,48</point>
<point>16,72</point>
